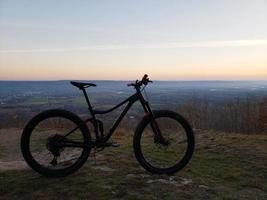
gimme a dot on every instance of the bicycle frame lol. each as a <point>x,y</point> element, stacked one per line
<point>131,100</point>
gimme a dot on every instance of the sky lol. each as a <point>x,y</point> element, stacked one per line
<point>124,39</point>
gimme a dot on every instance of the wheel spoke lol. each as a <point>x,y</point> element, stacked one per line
<point>165,154</point>
<point>49,150</point>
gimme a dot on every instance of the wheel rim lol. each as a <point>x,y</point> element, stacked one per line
<point>164,156</point>
<point>46,140</point>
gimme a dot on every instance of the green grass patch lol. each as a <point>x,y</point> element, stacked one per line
<point>36,100</point>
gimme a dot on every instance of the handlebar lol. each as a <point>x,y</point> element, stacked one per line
<point>145,80</point>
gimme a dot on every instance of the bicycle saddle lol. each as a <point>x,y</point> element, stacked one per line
<point>81,85</point>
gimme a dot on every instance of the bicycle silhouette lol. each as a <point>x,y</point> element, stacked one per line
<point>57,142</point>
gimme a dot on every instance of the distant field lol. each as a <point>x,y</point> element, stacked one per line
<point>36,100</point>
<point>224,166</point>
<point>171,92</point>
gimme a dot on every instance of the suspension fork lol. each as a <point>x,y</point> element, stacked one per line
<point>158,138</point>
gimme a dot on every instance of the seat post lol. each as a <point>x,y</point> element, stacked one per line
<point>87,101</point>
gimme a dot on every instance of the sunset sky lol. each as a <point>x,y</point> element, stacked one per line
<point>123,39</point>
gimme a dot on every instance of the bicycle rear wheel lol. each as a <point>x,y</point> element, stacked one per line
<point>171,155</point>
<point>47,149</point>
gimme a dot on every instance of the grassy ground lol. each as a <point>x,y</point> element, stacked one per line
<point>224,166</point>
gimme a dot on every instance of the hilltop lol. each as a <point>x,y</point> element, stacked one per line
<point>224,166</point>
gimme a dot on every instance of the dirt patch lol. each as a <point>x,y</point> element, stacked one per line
<point>10,144</point>
<point>10,154</point>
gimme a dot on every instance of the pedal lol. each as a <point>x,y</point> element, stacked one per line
<point>115,144</point>
<point>112,144</point>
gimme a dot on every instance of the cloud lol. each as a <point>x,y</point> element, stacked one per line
<point>171,45</point>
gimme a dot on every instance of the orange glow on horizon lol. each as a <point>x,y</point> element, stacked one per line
<point>170,73</point>
<point>194,64</point>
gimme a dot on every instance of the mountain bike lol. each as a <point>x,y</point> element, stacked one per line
<point>57,142</point>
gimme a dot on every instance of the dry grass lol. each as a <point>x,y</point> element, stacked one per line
<point>224,166</point>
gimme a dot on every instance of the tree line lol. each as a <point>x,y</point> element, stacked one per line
<point>239,115</point>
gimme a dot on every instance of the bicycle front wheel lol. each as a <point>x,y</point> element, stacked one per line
<point>171,155</point>
<point>55,143</point>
